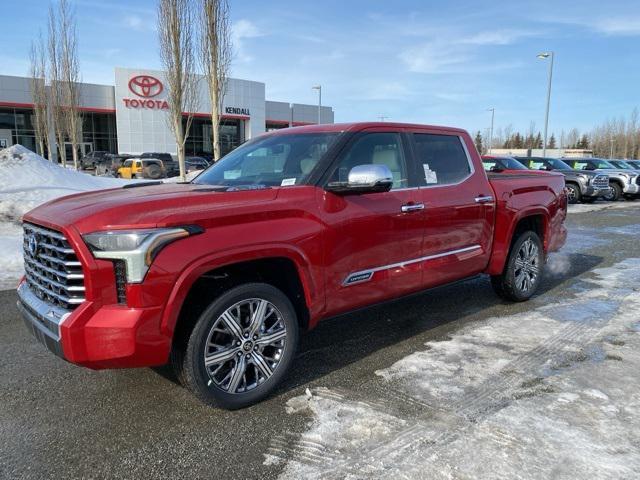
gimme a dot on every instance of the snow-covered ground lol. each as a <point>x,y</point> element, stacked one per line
<point>548,393</point>
<point>595,207</point>
<point>551,393</point>
<point>28,180</point>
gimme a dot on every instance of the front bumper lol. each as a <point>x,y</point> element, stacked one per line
<point>98,337</point>
<point>42,320</point>
<point>631,188</point>
<point>591,191</point>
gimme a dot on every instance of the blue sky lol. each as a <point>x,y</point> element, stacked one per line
<point>416,61</point>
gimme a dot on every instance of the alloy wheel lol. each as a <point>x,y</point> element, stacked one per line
<point>527,267</point>
<point>245,345</point>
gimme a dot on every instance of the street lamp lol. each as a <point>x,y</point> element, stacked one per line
<point>493,112</point>
<point>319,88</point>
<point>544,56</point>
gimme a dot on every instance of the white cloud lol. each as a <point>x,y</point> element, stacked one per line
<point>618,26</point>
<point>433,57</point>
<point>496,37</point>
<point>240,31</point>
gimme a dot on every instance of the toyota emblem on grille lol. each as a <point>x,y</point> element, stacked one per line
<point>32,244</point>
<point>145,86</point>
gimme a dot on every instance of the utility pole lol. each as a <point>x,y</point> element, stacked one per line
<point>493,112</point>
<point>319,88</point>
<point>545,55</point>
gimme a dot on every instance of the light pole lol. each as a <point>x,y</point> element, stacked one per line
<point>493,113</point>
<point>543,56</point>
<point>319,88</point>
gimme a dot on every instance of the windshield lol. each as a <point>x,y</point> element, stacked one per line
<point>273,160</point>
<point>591,164</point>
<point>558,164</point>
<point>621,164</point>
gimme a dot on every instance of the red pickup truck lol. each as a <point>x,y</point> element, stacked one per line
<point>219,276</point>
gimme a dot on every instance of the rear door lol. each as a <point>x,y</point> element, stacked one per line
<point>459,207</point>
<point>371,236</point>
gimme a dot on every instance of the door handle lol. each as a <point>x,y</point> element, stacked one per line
<point>484,199</point>
<point>412,207</point>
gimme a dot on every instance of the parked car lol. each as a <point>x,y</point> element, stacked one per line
<point>582,186</point>
<point>492,163</point>
<point>150,168</point>
<point>165,157</point>
<point>621,182</point>
<point>625,165</point>
<point>195,163</point>
<point>220,275</point>
<point>110,164</point>
<point>88,162</point>
<point>634,163</point>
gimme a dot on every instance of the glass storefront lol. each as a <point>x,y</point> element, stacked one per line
<point>200,138</point>
<point>99,129</point>
<point>20,122</point>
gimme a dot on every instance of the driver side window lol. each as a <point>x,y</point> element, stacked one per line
<point>374,149</point>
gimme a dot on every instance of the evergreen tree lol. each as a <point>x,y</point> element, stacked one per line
<point>518,141</point>
<point>584,142</point>
<point>478,142</point>
<point>538,141</point>
<point>552,142</point>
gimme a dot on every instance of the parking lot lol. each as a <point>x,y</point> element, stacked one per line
<point>450,383</point>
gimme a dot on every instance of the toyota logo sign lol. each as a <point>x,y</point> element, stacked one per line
<point>145,86</point>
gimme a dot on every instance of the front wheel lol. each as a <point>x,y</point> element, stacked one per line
<point>241,347</point>
<point>573,193</point>
<point>521,275</point>
<point>614,193</point>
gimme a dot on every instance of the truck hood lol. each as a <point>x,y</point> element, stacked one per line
<point>147,206</point>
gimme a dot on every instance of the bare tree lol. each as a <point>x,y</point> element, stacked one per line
<point>56,90</point>
<point>70,76</point>
<point>38,70</point>
<point>175,31</point>
<point>216,52</point>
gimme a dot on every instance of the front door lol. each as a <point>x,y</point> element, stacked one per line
<point>459,208</point>
<point>370,236</point>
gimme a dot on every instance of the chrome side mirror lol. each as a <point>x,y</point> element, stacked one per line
<point>364,179</point>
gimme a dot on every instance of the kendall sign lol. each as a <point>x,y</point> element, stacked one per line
<point>146,87</point>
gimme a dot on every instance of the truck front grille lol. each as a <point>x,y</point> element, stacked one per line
<point>52,268</point>
<point>600,181</point>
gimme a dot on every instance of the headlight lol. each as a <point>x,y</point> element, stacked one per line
<point>137,248</point>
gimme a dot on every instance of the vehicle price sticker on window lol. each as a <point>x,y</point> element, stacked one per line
<point>286,182</point>
<point>429,175</point>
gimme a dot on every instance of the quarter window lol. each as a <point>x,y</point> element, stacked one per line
<point>376,149</point>
<point>441,158</point>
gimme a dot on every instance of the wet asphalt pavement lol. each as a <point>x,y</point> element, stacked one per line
<point>59,420</point>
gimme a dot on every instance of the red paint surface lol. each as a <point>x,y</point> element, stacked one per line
<point>326,236</point>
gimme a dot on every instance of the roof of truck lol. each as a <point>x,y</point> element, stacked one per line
<point>356,126</point>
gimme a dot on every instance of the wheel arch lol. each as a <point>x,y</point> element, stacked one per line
<point>535,219</point>
<point>212,276</point>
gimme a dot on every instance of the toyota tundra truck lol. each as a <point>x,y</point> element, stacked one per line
<point>219,276</point>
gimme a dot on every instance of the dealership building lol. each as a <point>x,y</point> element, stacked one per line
<point>132,116</point>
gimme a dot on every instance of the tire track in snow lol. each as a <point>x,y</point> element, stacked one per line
<point>556,352</point>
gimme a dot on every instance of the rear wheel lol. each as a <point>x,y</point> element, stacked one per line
<point>573,193</point>
<point>521,275</point>
<point>241,347</point>
<point>152,171</point>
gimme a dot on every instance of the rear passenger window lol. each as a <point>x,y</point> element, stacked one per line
<point>442,158</point>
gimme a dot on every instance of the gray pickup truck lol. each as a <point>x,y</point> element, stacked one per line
<point>621,182</point>
<point>582,186</point>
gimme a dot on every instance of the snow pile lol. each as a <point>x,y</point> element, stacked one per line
<point>26,181</point>
<point>548,393</point>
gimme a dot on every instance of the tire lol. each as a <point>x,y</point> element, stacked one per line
<point>614,194</point>
<point>153,172</point>
<point>515,284</point>
<point>574,195</point>
<point>221,383</point>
